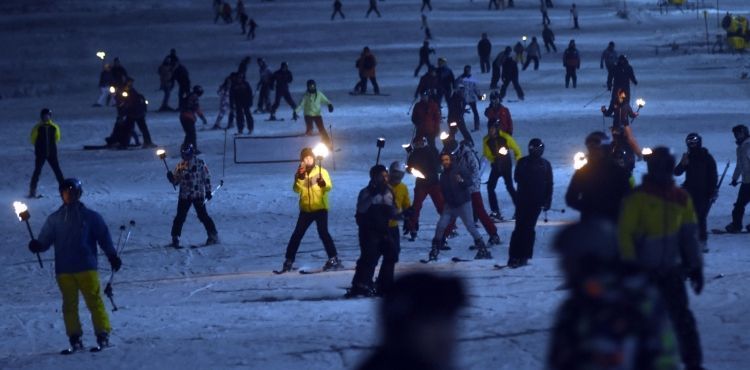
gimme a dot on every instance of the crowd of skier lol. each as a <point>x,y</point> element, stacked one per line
<point>637,243</point>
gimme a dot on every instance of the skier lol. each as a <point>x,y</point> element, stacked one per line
<point>403,205</point>
<point>429,84</point>
<point>424,57</point>
<point>574,14</point>
<point>75,231</point>
<point>446,79</point>
<point>313,184</point>
<point>466,159</point>
<point>44,137</point>
<point>418,321</point>
<point>241,16</point>
<point>337,9</point>
<point>497,146</point>
<point>191,109</point>
<point>426,27</point>
<point>518,51</point>
<point>252,26</point>
<point>455,184</point>
<point>191,173</point>
<point>622,134</point>
<point>224,105</point>
<point>609,60</point>
<point>182,77</point>
<point>549,39</point>
<point>119,74</point>
<point>426,3</point>
<point>166,84</point>
<point>701,178</point>
<point>497,112</point>
<point>658,231</point>
<point>571,62</point>
<point>105,81</point>
<point>375,208</point>
<point>622,320</point>
<point>532,53</point>
<point>282,78</point>
<point>426,118</point>
<point>545,16</point>
<point>426,160</point>
<point>310,105</point>
<point>471,93</point>
<point>510,75</point>
<point>134,109</point>
<point>456,110</point>
<point>742,169</point>
<point>534,194</point>
<point>497,65</point>
<point>484,50</point>
<point>264,86</point>
<point>373,8</point>
<point>596,190</point>
<point>366,68</point>
<point>622,75</point>
<point>240,101</point>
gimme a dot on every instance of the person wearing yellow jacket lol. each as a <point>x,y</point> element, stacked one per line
<point>497,146</point>
<point>312,183</point>
<point>310,105</point>
<point>44,137</point>
<point>658,230</point>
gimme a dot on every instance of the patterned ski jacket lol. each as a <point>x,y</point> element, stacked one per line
<point>311,196</point>
<point>75,231</point>
<point>193,178</point>
<point>467,159</point>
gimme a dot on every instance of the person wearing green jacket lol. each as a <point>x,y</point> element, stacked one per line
<point>44,137</point>
<point>312,183</point>
<point>310,105</point>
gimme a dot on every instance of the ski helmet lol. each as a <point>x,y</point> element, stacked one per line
<point>311,82</point>
<point>72,185</point>
<point>536,147</point>
<point>587,247</point>
<point>396,171</point>
<point>187,152</point>
<point>45,112</point>
<point>198,90</point>
<point>660,162</point>
<point>693,140</point>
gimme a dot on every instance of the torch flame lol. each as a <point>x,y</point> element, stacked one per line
<point>640,102</point>
<point>124,94</point>
<point>146,102</point>
<point>161,152</point>
<point>405,145</point>
<point>523,37</point>
<point>320,150</point>
<point>484,97</point>
<point>646,151</point>
<point>101,54</point>
<point>112,90</point>
<point>20,208</point>
<point>453,124</point>
<point>444,135</point>
<point>503,151</point>
<point>416,173</point>
<point>579,160</point>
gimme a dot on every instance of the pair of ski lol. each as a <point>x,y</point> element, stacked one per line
<point>722,232</point>
<point>308,271</point>
<point>95,349</point>
<point>458,259</point>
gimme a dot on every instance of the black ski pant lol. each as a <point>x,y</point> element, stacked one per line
<point>339,12</point>
<point>701,204</point>
<point>141,122</point>
<point>243,115</point>
<point>287,98</point>
<point>264,100</point>
<point>548,44</point>
<point>516,86</point>
<point>188,125</point>
<point>671,285</point>
<point>462,128</point>
<point>39,162</point>
<point>570,74</point>
<point>495,77</point>
<point>363,84</point>
<point>422,62</point>
<point>524,234</point>
<point>528,61</point>
<point>372,245</point>
<point>475,112</point>
<point>183,206</point>
<point>318,121</point>
<point>497,6</point>
<point>743,198</point>
<point>609,77</point>
<point>426,3</point>
<point>167,92</point>
<point>372,9</point>
<point>506,172</point>
<point>545,18</point>
<point>303,222</point>
<point>484,63</point>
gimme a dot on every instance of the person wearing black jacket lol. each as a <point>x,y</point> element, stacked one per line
<point>134,109</point>
<point>45,136</point>
<point>701,178</point>
<point>534,178</point>
<point>282,78</point>
<point>571,62</point>
<point>182,77</point>
<point>375,208</point>
<point>424,57</point>
<point>337,10</point>
<point>620,78</point>
<point>510,75</point>
<point>597,189</point>
<point>549,39</point>
<point>446,79</point>
<point>456,110</point>
<point>240,101</point>
<point>425,159</point>
<point>484,49</point>
<point>119,74</point>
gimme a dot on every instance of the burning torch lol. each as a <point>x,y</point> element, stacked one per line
<point>380,144</point>
<point>646,151</point>
<point>23,215</point>
<point>640,103</point>
<point>579,160</point>
<point>502,151</point>
<point>321,151</point>
<point>163,155</point>
<point>416,173</point>
<point>524,41</point>
<point>101,54</point>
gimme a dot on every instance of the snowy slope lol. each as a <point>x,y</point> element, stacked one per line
<point>221,307</point>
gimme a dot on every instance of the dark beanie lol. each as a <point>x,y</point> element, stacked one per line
<point>376,170</point>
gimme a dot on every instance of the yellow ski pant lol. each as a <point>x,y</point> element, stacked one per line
<point>87,282</point>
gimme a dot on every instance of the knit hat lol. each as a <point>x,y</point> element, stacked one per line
<point>306,151</point>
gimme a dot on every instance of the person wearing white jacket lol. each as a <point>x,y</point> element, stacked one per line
<point>471,93</point>
<point>742,137</point>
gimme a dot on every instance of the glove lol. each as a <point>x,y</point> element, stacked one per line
<point>35,246</point>
<point>321,182</point>
<point>604,109</point>
<point>696,280</point>
<point>115,262</point>
<point>170,177</point>
<point>734,182</point>
<point>301,173</point>
<point>208,195</point>
<point>330,108</point>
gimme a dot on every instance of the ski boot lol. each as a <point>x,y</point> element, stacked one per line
<point>517,262</point>
<point>175,242</point>
<point>482,252</point>
<point>732,228</point>
<point>212,239</point>
<point>287,266</point>
<point>452,234</point>
<point>444,245</point>
<point>32,193</point>
<point>102,339</point>
<point>76,344</point>
<point>494,240</point>
<point>496,217</point>
<point>294,116</point>
<point>358,290</point>
<point>333,263</point>
<point>412,236</point>
<point>436,246</point>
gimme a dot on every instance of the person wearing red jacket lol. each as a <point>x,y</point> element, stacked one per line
<point>497,112</point>
<point>426,118</point>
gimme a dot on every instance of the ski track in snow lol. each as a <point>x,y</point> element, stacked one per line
<point>221,307</point>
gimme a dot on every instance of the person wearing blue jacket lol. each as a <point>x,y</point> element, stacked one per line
<point>75,231</point>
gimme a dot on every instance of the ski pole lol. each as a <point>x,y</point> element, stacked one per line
<point>108,288</point>
<point>131,225</point>
<point>23,215</point>
<point>119,238</point>
<point>221,183</point>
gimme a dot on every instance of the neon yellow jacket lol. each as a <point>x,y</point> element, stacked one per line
<point>35,130</point>
<point>491,154</point>
<point>311,196</point>
<point>401,199</point>
<point>311,103</point>
<point>658,228</point>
